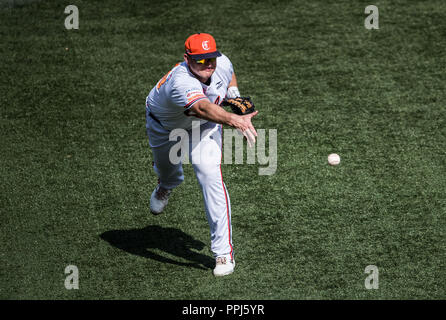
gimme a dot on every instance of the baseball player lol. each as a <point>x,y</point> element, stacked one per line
<point>191,94</point>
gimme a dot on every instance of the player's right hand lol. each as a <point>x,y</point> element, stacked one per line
<point>245,126</point>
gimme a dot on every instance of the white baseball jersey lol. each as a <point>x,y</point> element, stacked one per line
<point>179,90</point>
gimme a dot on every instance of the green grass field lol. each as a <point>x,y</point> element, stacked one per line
<point>76,166</point>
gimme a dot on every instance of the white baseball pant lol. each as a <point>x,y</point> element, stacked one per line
<point>205,154</point>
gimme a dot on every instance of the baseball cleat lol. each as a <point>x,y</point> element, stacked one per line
<point>224,265</point>
<point>159,199</point>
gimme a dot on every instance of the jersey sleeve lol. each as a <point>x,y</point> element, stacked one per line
<point>186,92</point>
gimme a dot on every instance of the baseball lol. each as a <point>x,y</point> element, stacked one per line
<point>334,159</point>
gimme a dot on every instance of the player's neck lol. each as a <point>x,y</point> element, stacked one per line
<point>208,82</point>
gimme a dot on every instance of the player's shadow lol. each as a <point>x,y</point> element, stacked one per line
<point>146,241</point>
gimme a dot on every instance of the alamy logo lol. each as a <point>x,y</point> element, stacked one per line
<point>190,142</point>
<point>372,20</point>
<point>372,280</point>
<point>72,20</point>
<point>72,280</point>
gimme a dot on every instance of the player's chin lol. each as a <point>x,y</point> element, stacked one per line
<point>207,73</point>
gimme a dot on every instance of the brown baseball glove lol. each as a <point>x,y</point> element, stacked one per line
<point>239,105</point>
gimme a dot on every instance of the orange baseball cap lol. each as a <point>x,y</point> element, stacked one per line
<point>201,46</point>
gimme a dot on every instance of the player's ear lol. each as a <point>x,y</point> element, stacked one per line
<point>185,58</point>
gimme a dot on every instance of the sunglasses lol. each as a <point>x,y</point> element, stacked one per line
<point>206,61</point>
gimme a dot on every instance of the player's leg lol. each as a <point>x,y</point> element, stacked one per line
<point>170,174</point>
<point>206,156</point>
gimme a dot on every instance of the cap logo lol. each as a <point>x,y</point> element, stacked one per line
<point>205,45</point>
